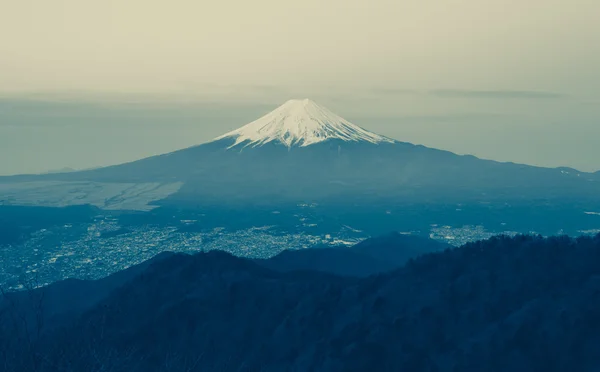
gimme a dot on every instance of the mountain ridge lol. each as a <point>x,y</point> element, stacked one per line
<point>372,256</point>
<point>482,306</point>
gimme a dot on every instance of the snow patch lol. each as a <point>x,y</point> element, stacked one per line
<point>300,123</point>
<point>110,196</point>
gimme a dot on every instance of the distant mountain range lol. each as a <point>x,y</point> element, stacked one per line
<point>507,304</point>
<point>303,152</point>
<point>373,256</point>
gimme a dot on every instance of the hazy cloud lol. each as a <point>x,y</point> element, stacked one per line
<point>393,91</point>
<point>496,94</point>
<point>466,118</point>
<point>311,43</point>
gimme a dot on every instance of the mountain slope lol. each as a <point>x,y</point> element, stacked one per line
<point>302,152</point>
<point>72,296</point>
<point>507,304</point>
<point>396,249</point>
<point>300,123</point>
<point>371,256</point>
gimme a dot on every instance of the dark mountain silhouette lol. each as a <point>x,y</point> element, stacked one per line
<point>339,261</point>
<point>396,248</point>
<point>71,296</point>
<point>372,256</point>
<point>507,304</point>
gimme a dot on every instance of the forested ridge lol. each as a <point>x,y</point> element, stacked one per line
<point>506,304</point>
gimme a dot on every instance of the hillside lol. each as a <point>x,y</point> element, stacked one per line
<point>371,256</point>
<point>507,304</point>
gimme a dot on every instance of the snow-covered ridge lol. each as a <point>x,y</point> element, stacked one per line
<point>300,123</point>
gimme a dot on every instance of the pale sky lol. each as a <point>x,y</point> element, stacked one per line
<point>511,80</point>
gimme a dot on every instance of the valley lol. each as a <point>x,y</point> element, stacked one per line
<point>100,242</point>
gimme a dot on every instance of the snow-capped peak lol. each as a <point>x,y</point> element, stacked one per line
<point>300,123</point>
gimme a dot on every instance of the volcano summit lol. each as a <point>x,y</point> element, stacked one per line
<point>300,123</point>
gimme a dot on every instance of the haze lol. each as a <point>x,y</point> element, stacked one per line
<point>90,83</point>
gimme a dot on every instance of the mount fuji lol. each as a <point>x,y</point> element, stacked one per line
<point>301,153</point>
<point>300,123</point>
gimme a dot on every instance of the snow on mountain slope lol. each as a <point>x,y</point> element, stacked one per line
<point>300,123</point>
<point>105,195</point>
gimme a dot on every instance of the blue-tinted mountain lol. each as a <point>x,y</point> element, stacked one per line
<point>303,152</point>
